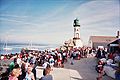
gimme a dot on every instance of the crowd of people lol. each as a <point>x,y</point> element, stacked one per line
<point>108,62</point>
<point>23,65</point>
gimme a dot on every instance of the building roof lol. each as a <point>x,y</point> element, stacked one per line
<point>103,39</point>
<point>115,41</point>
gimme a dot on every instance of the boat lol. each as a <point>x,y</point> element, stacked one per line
<point>6,48</point>
<point>31,47</point>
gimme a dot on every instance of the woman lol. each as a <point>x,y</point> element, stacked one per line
<point>14,74</point>
<point>29,74</point>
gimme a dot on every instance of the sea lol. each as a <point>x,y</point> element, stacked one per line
<point>16,47</point>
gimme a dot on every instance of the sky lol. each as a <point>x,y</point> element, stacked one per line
<point>51,21</point>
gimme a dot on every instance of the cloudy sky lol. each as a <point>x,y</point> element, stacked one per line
<point>51,21</point>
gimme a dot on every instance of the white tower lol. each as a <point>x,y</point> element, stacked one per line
<point>77,39</point>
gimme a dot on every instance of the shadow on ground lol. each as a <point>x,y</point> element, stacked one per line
<point>76,78</point>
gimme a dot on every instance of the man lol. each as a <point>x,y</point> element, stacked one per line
<point>46,73</point>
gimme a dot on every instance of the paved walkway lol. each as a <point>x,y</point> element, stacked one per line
<point>83,69</point>
<point>86,68</point>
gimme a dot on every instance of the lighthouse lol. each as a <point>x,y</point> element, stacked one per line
<point>77,40</point>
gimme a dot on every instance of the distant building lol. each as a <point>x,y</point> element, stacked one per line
<point>96,41</point>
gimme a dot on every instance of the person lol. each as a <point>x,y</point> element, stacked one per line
<point>14,74</point>
<point>59,59</point>
<point>100,53</point>
<point>100,69</point>
<point>51,61</point>
<point>45,64</point>
<point>29,74</point>
<point>16,66</point>
<point>22,76</point>
<point>72,58</point>
<point>4,76</point>
<point>18,61</point>
<point>46,74</point>
<point>12,65</point>
<point>110,56</point>
<point>34,69</point>
<point>117,73</point>
<point>64,55</point>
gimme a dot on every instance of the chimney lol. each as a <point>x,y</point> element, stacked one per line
<point>118,34</point>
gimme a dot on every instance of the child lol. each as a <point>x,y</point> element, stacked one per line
<point>100,70</point>
<point>14,74</point>
<point>29,74</point>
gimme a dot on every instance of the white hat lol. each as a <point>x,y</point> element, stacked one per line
<point>109,61</point>
<point>103,60</point>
